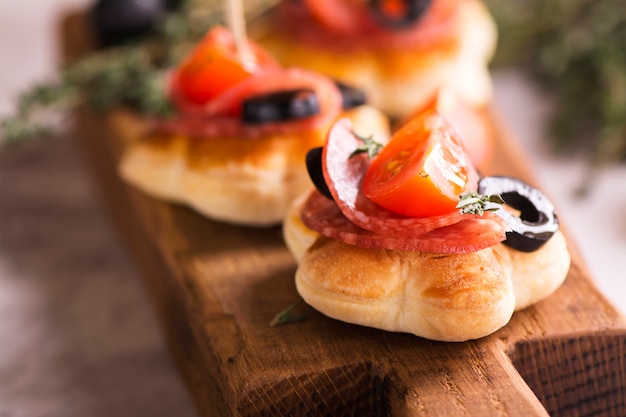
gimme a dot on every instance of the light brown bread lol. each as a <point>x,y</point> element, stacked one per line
<point>437,296</point>
<point>400,80</point>
<point>238,180</point>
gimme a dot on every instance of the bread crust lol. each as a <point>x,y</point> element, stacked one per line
<point>446,297</point>
<point>238,180</point>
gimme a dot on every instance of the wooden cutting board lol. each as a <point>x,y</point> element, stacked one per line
<point>216,287</point>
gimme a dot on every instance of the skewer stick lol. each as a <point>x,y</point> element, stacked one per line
<point>237,23</point>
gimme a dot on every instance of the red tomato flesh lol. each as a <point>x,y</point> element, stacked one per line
<point>422,170</point>
<point>214,66</point>
<point>395,8</point>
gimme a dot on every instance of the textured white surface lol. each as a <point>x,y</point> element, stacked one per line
<point>28,43</point>
<point>78,337</point>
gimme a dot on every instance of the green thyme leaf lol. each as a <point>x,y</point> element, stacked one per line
<point>473,203</point>
<point>287,316</point>
<point>368,145</point>
<point>17,130</point>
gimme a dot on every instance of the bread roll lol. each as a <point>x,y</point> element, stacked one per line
<point>238,180</point>
<point>436,296</point>
<point>399,80</point>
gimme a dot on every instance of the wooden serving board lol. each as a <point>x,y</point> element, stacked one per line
<point>216,287</point>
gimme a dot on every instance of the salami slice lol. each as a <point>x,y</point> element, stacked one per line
<point>221,116</point>
<point>344,175</point>
<point>319,22</point>
<point>324,216</point>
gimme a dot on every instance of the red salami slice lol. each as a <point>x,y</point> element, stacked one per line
<point>220,117</point>
<point>344,175</point>
<point>324,216</point>
<point>319,22</point>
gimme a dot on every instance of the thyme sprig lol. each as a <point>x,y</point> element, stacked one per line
<point>575,49</point>
<point>368,145</point>
<point>131,75</point>
<point>33,116</point>
<point>287,316</point>
<point>471,202</point>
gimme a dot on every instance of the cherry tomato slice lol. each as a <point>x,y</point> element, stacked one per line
<point>214,66</point>
<point>422,170</point>
<point>471,123</point>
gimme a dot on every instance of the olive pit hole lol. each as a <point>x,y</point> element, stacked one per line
<point>528,211</point>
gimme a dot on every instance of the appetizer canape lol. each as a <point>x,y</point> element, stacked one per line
<point>407,237</point>
<point>399,52</point>
<point>236,146</point>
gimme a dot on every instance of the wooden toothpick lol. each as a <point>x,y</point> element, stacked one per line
<point>237,23</point>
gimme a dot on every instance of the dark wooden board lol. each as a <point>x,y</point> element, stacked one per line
<point>216,287</point>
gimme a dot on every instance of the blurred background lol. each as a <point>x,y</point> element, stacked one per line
<point>77,334</point>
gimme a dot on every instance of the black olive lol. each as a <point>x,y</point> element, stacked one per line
<point>118,21</point>
<point>280,106</point>
<point>350,96</point>
<point>537,221</point>
<point>314,167</point>
<point>413,10</point>
<point>173,5</point>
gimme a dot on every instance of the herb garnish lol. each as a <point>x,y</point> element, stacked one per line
<point>130,75</point>
<point>125,76</point>
<point>368,145</point>
<point>471,202</point>
<point>287,316</point>
<point>574,50</point>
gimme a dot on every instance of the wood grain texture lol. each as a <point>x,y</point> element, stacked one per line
<point>216,287</point>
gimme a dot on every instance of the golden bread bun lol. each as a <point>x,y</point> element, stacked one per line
<point>400,80</point>
<point>437,296</point>
<point>298,238</point>
<point>238,180</point>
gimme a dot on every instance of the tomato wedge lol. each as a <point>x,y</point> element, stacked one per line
<point>471,123</point>
<point>422,170</point>
<point>214,66</point>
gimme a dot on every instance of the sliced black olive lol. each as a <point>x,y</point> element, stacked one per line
<point>280,106</point>
<point>537,221</point>
<point>350,96</point>
<point>118,21</point>
<point>314,167</point>
<point>413,10</point>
